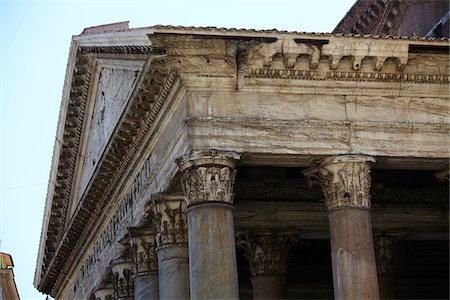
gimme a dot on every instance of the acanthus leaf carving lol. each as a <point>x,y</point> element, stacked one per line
<point>213,183</point>
<point>386,247</point>
<point>267,251</point>
<point>169,219</point>
<point>143,250</point>
<point>345,181</point>
<point>123,283</point>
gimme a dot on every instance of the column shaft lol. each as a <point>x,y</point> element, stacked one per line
<point>207,179</point>
<point>352,254</point>
<point>173,267</point>
<point>145,264</point>
<point>212,254</point>
<point>270,286</point>
<point>146,286</point>
<point>346,181</point>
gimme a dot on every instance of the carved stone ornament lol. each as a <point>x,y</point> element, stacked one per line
<point>142,242</point>
<point>267,251</point>
<point>386,251</point>
<point>169,219</point>
<point>104,292</point>
<point>346,181</point>
<point>208,176</point>
<point>123,284</point>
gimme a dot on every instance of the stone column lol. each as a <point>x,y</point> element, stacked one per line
<point>386,252</point>
<point>122,270</point>
<point>346,182</point>
<point>207,180</point>
<point>169,218</point>
<point>145,265</point>
<point>104,292</point>
<point>266,252</point>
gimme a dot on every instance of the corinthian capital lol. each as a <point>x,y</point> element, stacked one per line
<point>208,176</point>
<point>345,180</point>
<point>142,242</point>
<point>104,292</point>
<point>169,219</point>
<point>267,251</point>
<point>386,246</point>
<point>123,284</point>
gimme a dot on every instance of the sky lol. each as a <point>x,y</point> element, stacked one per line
<point>35,38</point>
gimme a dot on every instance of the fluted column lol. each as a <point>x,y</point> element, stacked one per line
<point>122,270</point>
<point>145,265</point>
<point>266,252</point>
<point>386,253</point>
<point>169,218</point>
<point>345,181</point>
<point>207,179</point>
<point>104,292</point>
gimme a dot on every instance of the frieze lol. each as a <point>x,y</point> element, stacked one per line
<point>348,76</point>
<point>169,218</point>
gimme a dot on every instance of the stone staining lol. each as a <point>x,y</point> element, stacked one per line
<point>122,270</point>
<point>345,181</point>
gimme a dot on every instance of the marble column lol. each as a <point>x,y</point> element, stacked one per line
<point>145,265</point>
<point>207,179</point>
<point>104,292</point>
<point>345,181</point>
<point>266,252</point>
<point>386,252</point>
<point>169,218</point>
<point>122,271</point>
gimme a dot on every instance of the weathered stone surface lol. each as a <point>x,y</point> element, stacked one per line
<point>113,90</point>
<point>173,262</point>
<point>279,99</point>
<point>212,254</point>
<point>352,253</point>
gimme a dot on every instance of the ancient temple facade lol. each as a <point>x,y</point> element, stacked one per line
<point>211,163</point>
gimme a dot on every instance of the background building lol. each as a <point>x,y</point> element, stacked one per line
<point>177,144</point>
<point>8,289</point>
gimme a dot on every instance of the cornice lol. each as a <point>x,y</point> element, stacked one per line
<point>147,99</point>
